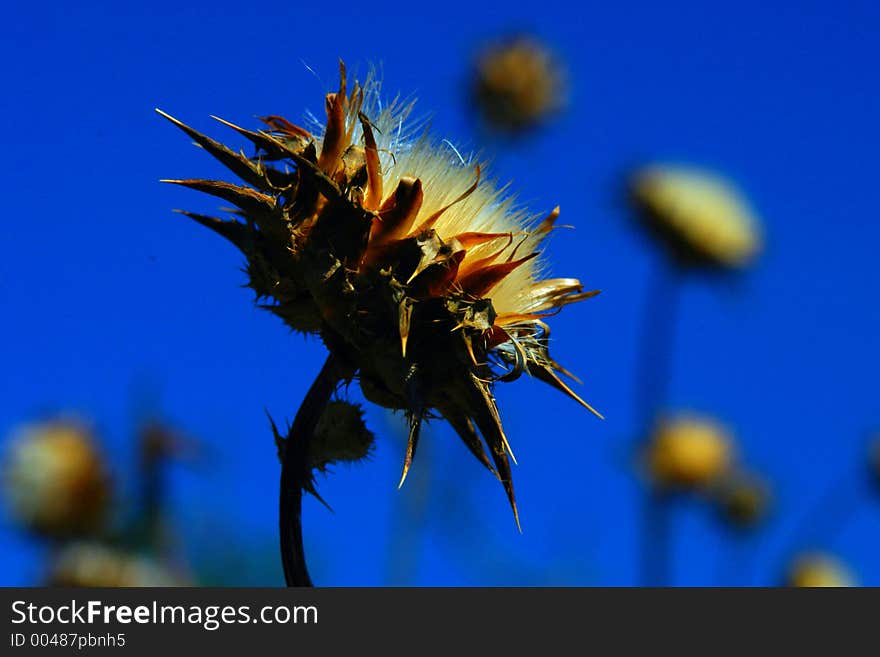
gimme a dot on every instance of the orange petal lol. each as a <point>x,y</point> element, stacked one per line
<point>470,240</point>
<point>383,253</point>
<point>398,211</point>
<point>496,336</point>
<point>488,260</point>
<point>436,279</point>
<point>374,172</point>
<point>335,141</point>
<point>285,127</point>
<point>478,283</point>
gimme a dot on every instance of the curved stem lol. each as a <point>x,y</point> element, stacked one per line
<point>658,332</point>
<point>295,472</point>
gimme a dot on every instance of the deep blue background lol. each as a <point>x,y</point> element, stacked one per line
<point>106,294</point>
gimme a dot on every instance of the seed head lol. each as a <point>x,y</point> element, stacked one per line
<point>415,272</point>
<point>55,479</point>
<point>700,217</point>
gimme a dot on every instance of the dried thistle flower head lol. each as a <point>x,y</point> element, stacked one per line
<point>90,564</point>
<point>701,217</point>
<point>819,570</point>
<point>55,479</point>
<point>418,275</point>
<point>743,499</point>
<point>689,452</point>
<point>517,84</point>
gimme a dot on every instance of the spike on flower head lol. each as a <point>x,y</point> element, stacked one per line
<point>416,272</point>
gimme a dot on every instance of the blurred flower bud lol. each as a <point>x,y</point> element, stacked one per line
<point>819,570</point>
<point>743,500</point>
<point>689,452</point>
<point>95,564</point>
<point>55,479</point>
<point>517,84</point>
<point>702,218</point>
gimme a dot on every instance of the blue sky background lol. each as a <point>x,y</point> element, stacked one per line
<point>110,302</point>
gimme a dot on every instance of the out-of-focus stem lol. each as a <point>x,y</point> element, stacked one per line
<point>828,517</point>
<point>153,446</point>
<point>657,339</point>
<point>295,472</point>
<point>410,520</point>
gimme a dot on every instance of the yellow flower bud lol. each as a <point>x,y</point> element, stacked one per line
<point>700,216</point>
<point>689,452</point>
